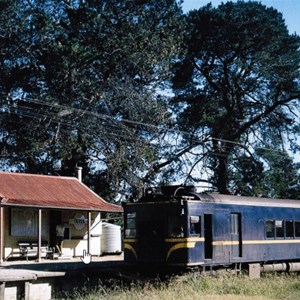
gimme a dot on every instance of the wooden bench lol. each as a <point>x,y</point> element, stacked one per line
<point>30,249</point>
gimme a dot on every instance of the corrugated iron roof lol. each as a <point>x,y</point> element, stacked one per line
<point>50,191</point>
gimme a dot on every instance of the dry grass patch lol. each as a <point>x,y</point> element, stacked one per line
<point>196,286</point>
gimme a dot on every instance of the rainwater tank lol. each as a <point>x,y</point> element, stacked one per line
<point>111,239</point>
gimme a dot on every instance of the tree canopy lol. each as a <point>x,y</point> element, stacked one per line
<point>237,85</point>
<point>137,92</point>
<point>72,74</point>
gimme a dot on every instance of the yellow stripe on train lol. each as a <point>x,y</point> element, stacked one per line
<point>254,242</point>
<point>127,240</point>
<point>182,243</point>
<point>232,243</point>
<point>185,243</point>
<point>184,240</point>
<point>180,246</point>
<point>130,248</point>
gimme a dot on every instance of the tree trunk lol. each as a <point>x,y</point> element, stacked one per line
<point>221,152</point>
<point>222,176</point>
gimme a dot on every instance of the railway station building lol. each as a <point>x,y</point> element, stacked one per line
<point>33,207</point>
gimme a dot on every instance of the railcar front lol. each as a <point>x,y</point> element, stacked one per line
<point>159,231</point>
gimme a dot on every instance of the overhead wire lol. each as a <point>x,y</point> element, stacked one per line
<point>104,116</point>
<point>115,129</point>
<point>87,131</point>
<point>116,124</point>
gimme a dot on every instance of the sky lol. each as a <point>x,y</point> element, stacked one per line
<point>290,10</point>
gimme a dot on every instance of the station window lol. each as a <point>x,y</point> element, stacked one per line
<point>270,229</point>
<point>289,229</point>
<point>279,229</point>
<point>297,229</point>
<point>24,222</point>
<point>195,225</point>
<point>130,230</point>
<point>175,228</point>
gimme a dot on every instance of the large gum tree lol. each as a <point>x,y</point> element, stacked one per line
<point>78,80</point>
<point>236,87</point>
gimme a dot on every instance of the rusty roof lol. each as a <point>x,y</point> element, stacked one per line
<point>19,189</point>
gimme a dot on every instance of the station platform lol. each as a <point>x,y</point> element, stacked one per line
<point>38,280</point>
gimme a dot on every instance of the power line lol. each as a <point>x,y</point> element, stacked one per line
<point>105,117</point>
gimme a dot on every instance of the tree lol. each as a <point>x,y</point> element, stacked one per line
<point>237,85</point>
<point>78,82</point>
<point>273,174</point>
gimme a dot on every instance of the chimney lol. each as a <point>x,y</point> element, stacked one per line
<point>79,173</point>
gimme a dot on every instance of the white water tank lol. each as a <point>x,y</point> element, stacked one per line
<point>111,239</point>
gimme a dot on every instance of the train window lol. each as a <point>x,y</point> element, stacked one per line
<point>195,225</point>
<point>130,230</point>
<point>234,223</point>
<point>297,229</point>
<point>289,229</point>
<point>279,228</point>
<point>270,229</point>
<point>175,228</point>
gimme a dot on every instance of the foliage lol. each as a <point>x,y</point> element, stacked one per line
<point>237,86</point>
<point>88,83</point>
<point>72,74</point>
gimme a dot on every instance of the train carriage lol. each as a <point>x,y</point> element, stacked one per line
<point>180,227</point>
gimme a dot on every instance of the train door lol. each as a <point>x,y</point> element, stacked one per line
<point>151,238</point>
<point>236,235</point>
<point>221,236</point>
<point>208,249</point>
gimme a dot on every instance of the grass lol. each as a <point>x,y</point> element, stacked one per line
<point>190,286</point>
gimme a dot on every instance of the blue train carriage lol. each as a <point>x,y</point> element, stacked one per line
<point>180,227</point>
